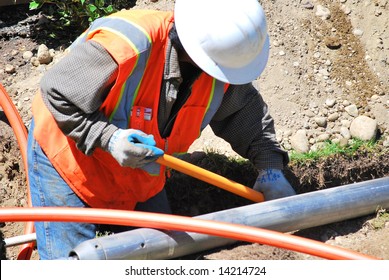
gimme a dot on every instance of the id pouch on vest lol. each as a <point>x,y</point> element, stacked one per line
<point>140,118</point>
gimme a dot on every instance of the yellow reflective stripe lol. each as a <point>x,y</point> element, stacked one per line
<point>211,97</point>
<point>118,102</point>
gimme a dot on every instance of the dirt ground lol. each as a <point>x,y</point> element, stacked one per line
<point>355,39</point>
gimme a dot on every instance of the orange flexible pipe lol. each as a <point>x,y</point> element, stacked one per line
<point>20,132</point>
<point>179,223</point>
<point>210,177</point>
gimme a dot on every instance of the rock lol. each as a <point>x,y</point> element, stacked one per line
<point>333,117</point>
<point>364,128</point>
<point>309,113</point>
<point>358,32</point>
<point>35,61</point>
<point>345,123</point>
<point>323,12</point>
<point>343,142</point>
<point>10,69</point>
<point>330,102</point>
<point>352,110</point>
<point>323,137</point>
<point>318,146</point>
<point>43,55</point>
<point>346,9</point>
<point>308,5</point>
<point>321,121</point>
<point>299,141</point>
<point>386,142</point>
<point>27,55</point>
<point>345,132</point>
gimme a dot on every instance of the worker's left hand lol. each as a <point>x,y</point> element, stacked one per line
<point>273,184</point>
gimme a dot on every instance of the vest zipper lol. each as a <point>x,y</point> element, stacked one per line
<point>167,169</point>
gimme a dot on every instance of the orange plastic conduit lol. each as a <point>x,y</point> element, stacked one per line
<point>20,132</point>
<point>210,177</point>
<point>179,223</point>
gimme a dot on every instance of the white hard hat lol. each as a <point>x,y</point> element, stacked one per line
<point>226,38</point>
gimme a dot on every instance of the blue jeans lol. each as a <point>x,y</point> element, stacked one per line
<point>48,189</point>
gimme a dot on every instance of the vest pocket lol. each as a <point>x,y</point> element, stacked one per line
<point>141,118</point>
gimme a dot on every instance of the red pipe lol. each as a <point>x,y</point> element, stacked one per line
<point>20,132</point>
<point>179,223</point>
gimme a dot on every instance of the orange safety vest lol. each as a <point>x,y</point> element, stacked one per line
<point>137,41</point>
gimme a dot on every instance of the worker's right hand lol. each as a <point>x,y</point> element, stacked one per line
<point>273,184</point>
<point>133,148</point>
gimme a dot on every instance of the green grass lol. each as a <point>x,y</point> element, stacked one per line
<point>380,220</point>
<point>331,148</point>
<point>103,234</point>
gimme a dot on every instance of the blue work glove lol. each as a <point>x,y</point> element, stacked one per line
<point>133,148</point>
<point>273,184</point>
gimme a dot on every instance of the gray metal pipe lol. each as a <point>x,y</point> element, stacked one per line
<point>283,215</point>
<point>18,240</point>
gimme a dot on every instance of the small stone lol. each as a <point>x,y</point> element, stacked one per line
<point>43,54</point>
<point>352,110</point>
<point>333,117</point>
<point>323,12</point>
<point>323,137</point>
<point>10,69</point>
<point>299,141</point>
<point>308,5</point>
<point>330,102</point>
<point>35,61</point>
<point>358,32</point>
<point>27,55</point>
<point>321,121</point>
<point>345,132</point>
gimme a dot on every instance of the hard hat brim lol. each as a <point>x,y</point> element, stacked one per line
<point>241,75</point>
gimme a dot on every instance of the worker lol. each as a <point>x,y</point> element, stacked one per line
<point>138,84</point>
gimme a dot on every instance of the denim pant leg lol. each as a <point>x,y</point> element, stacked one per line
<point>48,189</point>
<point>156,204</point>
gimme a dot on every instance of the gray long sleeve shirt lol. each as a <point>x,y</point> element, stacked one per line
<point>74,89</point>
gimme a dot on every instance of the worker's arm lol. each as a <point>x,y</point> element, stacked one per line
<point>74,89</point>
<point>244,121</point>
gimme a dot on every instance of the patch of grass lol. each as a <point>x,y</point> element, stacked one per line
<point>380,220</point>
<point>330,149</point>
<point>103,234</point>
